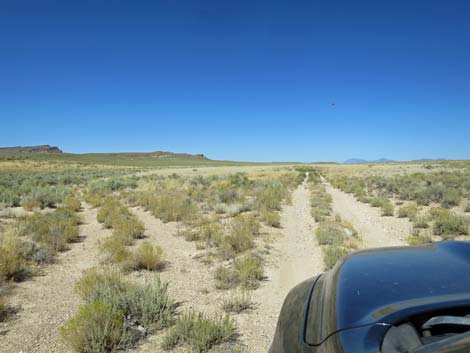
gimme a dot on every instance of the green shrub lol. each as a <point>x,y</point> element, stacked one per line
<point>250,270</point>
<point>94,277</point>
<point>30,204</point>
<point>116,252</point>
<point>148,257</point>
<point>330,233</point>
<point>449,225</point>
<point>72,203</point>
<point>13,266</point>
<point>97,327</point>
<point>387,209</point>
<point>270,218</point>
<point>466,206</point>
<point>9,198</point>
<point>378,201</point>
<point>239,301</point>
<point>94,198</point>
<point>55,229</point>
<point>450,198</point>
<point>128,228</point>
<point>116,313</point>
<point>241,235</point>
<point>333,253</point>
<point>410,211</point>
<point>418,239</point>
<point>199,331</point>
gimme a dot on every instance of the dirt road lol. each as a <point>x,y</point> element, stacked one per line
<point>375,230</point>
<point>295,257</point>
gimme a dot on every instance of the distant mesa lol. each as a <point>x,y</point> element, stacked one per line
<point>31,149</point>
<point>164,154</point>
<point>362,161</point>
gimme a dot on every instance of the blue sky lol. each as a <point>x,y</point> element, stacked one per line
<point>238,80</point>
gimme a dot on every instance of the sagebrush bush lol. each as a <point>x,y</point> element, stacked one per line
<point>97,327</point>
<point>55,229</point>
<point>410,211</point>
<point>250,270</point>
<point>333,253</point>
<point>417,238</point>
<point>449,225</point>
<point>330,233</point>
<point>94,277</point>
<point>30,204</point>
<point>270,218</point>
<point>94,198</point>
<point>13,265</point>
<point>115,251</point>
<point>387,209</point>
<point>148,257</point>
<point>72,203</point>
<point>199,331</point>
<point>466,206</point>
<point>240,237</point>
<point>117,313</point>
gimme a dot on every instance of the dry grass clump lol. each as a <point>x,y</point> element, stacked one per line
<point>240,237</point>
<point>410,211</point>
<point>449,225</point>
<point>168,203</point>
<point>126,226</point>
<point>250,270</point>
<point>419,238</point>
<point>270,218</point>
<point>246,271</point>
<point>148,257</point>
<point>72,203</point>
<point>388,209</point>
<point>54,230</point>
<point>320,202</point>
<point>199,331</point>
<point>94,198</point>
<point>466,206</point>
<point>239,301</point>
<point>30,204</point>
<point>116,313</point>
<point>13,265</point>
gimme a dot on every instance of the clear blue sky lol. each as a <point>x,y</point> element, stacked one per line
<point>239,80</point>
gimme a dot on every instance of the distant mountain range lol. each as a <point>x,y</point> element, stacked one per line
<point>385,160</point>
<point>361,161</point>
<point>31,149</point>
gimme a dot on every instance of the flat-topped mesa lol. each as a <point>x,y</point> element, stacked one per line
<point>31,149</point>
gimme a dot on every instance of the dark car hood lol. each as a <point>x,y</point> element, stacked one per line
<point>387,285</point>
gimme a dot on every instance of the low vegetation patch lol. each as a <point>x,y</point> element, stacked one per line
<point>116,313</point>
<point>239,301</point>
<point>199,332</point>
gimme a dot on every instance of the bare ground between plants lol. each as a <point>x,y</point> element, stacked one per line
<point>45,302</point>
<point>375,230</point>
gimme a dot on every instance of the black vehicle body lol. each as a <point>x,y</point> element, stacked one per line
<point>388,300</point>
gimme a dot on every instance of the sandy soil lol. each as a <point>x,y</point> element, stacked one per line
<point>375,230</point>
<point>47,301</point>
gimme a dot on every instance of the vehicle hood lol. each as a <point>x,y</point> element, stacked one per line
<point>387,285</point>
